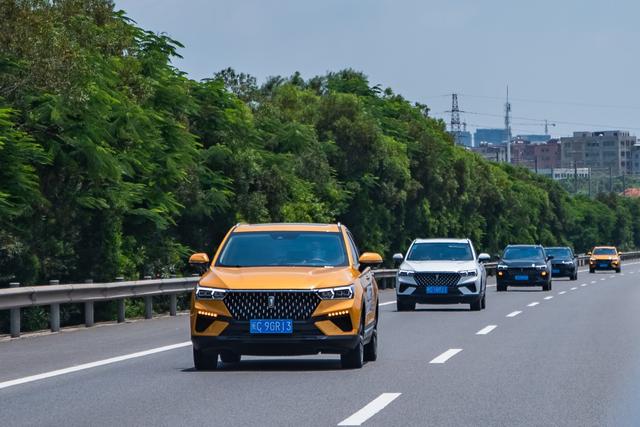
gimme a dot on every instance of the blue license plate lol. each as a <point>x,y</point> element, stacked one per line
<point>270,326</point>
<point>604,264</point>
<point>522,277</point>
<point>555,270</point>
<point>437,290</point>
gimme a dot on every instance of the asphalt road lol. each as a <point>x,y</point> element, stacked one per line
<point>570,360</point>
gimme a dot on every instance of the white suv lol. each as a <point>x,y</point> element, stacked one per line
<point>441,271</point>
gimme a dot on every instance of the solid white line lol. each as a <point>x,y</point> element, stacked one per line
<point>574,288</point>
<point>91,365</point>
<point>549,297</point>
<point>387,303</point>
<point>372,408</point>
<point>562,292</point>
<point>446,355</point>
<point>533,304</point>
<point>513,313</point>
<point>486,330</point>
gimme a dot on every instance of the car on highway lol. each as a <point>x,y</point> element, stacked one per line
<point>564,262</point>
<point>524,265</point>
<point>604,258</point>
<point>285,289</point>
<point>441,271</point>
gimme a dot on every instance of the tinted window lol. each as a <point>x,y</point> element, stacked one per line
<point>440,252</point>
<point>354,250</point>
<point>301,249</point>
<point>559,252</point>
<point>523,252</point>
<point>604,251</point>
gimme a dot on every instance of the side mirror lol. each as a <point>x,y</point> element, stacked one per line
<point>484,257</point>
<point>589,253</point>
<point>398,258</point>
<point>369,259</point>
<point>549,257</point>
<point>199,262</point>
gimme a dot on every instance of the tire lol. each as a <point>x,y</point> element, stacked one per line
<point>404,305</point>
<point>205,361</point>
<point>501,288</point>
<point>476,305</point>
<point>371,349</point>
<point>618,270</point>
<point>591,271</point>
<point>354,359</point>
<point>230,357</point>
<point>484,300</point>
<point>547,287</point>
<point>575,276</point>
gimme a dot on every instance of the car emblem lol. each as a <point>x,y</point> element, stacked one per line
<point>271,302</point>
<point>437,276</point>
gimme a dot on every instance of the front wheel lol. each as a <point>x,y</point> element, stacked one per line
<point>205,361</point>
<point>484,300</point>
<point>592,270</point>
<point>618,270</point>
<point>547,286</point>
<point>575,276</point>
<point>354,359</point>
<point>501,288</point>
<point>229,357</point>
<point>404,305</point>
<point>371,349</point>
<point>476,305</point>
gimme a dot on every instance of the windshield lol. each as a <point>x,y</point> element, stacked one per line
<point>523,252</point>
<point>559,252</point>
<point>604,251</point>
<point>283,248</point>
<point>440,252</point>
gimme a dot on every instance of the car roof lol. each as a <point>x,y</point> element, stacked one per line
<point>441,240</point>
<point>284,226</point>
<point>604,247</point>
<point>557,247</point>
<point>524,246</point>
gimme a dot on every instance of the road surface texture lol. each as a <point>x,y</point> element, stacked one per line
<point>569,357</point>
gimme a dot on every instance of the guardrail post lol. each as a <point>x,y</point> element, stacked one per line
<point>148,307</point>
<point>14,316</point>
<point>88,314</point>
<point>173,304</point>
<point>54,312</point>
<point>120,303</point>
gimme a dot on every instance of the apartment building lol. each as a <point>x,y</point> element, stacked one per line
<point>599,150</point>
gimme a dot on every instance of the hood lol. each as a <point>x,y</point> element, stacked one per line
<point>278,277</point>
<point>604,257</point>
<point>440,266</point>
<point>522,263</point>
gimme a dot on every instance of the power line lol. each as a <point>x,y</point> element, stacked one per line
<point>539,101</point>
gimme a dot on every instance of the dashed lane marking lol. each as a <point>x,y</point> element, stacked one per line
<point>562,292</point>
<point>533,304</point>
<point>549,297</point>
<point>446,356</point>
<point>514,313</point>
<point>91,365</point>
<point>486,330</point>
<point>574,288</point>
<point>593,281</point>
<point>584,284</point>
<point>372,408</point>
<point>387,303</point>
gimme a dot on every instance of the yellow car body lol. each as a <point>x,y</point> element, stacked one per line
<point>604,258</point>
<point>293,307</point>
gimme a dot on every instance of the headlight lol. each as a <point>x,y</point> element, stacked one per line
<point>404,273</point>
<point>342,292</point>
<point>502,266</point>
<point>468,273</point>
<point>592,260</point>
<point>210,293</point>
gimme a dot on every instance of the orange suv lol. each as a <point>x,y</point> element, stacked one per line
<point>604,258</point>
<point>285,289</point>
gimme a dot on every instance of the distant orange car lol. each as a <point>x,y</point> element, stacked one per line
<point>285,289</point>
<point>604,258</point>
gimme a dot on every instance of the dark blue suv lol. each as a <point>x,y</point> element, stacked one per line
<point>524,265</point>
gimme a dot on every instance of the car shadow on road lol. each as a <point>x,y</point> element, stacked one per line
<point>278,365</point>
<point>444,309</point>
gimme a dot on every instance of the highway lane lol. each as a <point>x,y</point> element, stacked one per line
<point>569,360</point>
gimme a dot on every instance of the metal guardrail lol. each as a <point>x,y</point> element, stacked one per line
<point>15,298</point>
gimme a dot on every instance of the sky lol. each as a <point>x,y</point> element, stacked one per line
<point>574,63</point>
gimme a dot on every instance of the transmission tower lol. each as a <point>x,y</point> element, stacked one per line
<point>507,125</point>
<point>455,118</point>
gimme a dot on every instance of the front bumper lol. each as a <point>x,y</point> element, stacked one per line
<point>507,277</point>
<point>464,293</point>
<point>563,270</point>
<point>603,265</point>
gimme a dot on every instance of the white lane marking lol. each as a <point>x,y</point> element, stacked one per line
<point>593,281</point>
<point>549,297</point>
<point>573,289</point>
<point>91,365</point>
<point>486,330</point>
<point>514,313</point>
<point>584,284</point>
<point>562,292</point>
<point>446,355</point>
<point>387,303</point>
<point>602,280</point>
<point>533,304</point>
<point>491,286</point>
<point>372,408</point>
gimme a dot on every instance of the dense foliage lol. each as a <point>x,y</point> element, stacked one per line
<point>113,162</point>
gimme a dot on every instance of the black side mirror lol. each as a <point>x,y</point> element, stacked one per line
<point>397,259</point>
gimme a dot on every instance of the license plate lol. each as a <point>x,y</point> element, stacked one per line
<point>555,270</point>
<point>522,277</point>
<point>604,264</point>
<point>270,326</point>
<point>437,289</point>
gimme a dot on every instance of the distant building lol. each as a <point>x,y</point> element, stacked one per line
<point>489,136</point>
<point>536,156</point>
<point>631,192</point>
<point>534,138</point>
<point>464,138</point>
<point>635,159</point>
<point>495,153</point>
<point>604,149</point>
<point>565,173</point>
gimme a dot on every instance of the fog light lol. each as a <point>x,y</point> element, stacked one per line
<point>338,313</point>
<point>207,313</point>
<point>500,273</point>
<point>544,273</point>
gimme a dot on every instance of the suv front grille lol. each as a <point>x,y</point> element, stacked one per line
<point>437,279</point>
<point>294,305</point>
